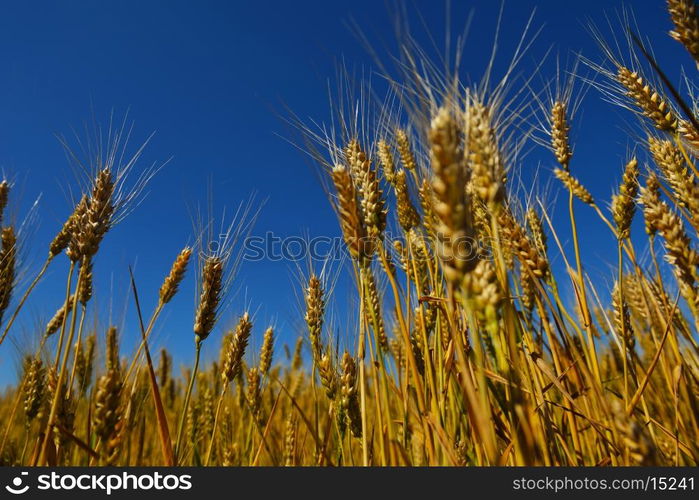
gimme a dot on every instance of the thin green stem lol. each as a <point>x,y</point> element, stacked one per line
<point>185,408</point>
<point>61,376</point>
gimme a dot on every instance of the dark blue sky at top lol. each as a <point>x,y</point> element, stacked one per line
<point>212,79</point>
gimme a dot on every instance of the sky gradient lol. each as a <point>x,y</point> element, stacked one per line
<point>214,81</point>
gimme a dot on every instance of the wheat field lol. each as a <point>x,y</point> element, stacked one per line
<point>464,348</point>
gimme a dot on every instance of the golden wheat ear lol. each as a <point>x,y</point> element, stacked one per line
<point>177,272</point>
<point>267,351</point>
<point>684,16</point>
<point>210,297</point>
<point>34,387</point>
<point>624,203</point>
<point>233,361</point>
<point>4,197</point>
<point>452,204</point>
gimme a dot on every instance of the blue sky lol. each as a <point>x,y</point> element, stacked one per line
<point>212,79</point>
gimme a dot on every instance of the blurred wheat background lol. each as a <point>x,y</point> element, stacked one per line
<point>462,348</point>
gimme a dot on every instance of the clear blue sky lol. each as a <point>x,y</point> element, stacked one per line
<point>212,78</point>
